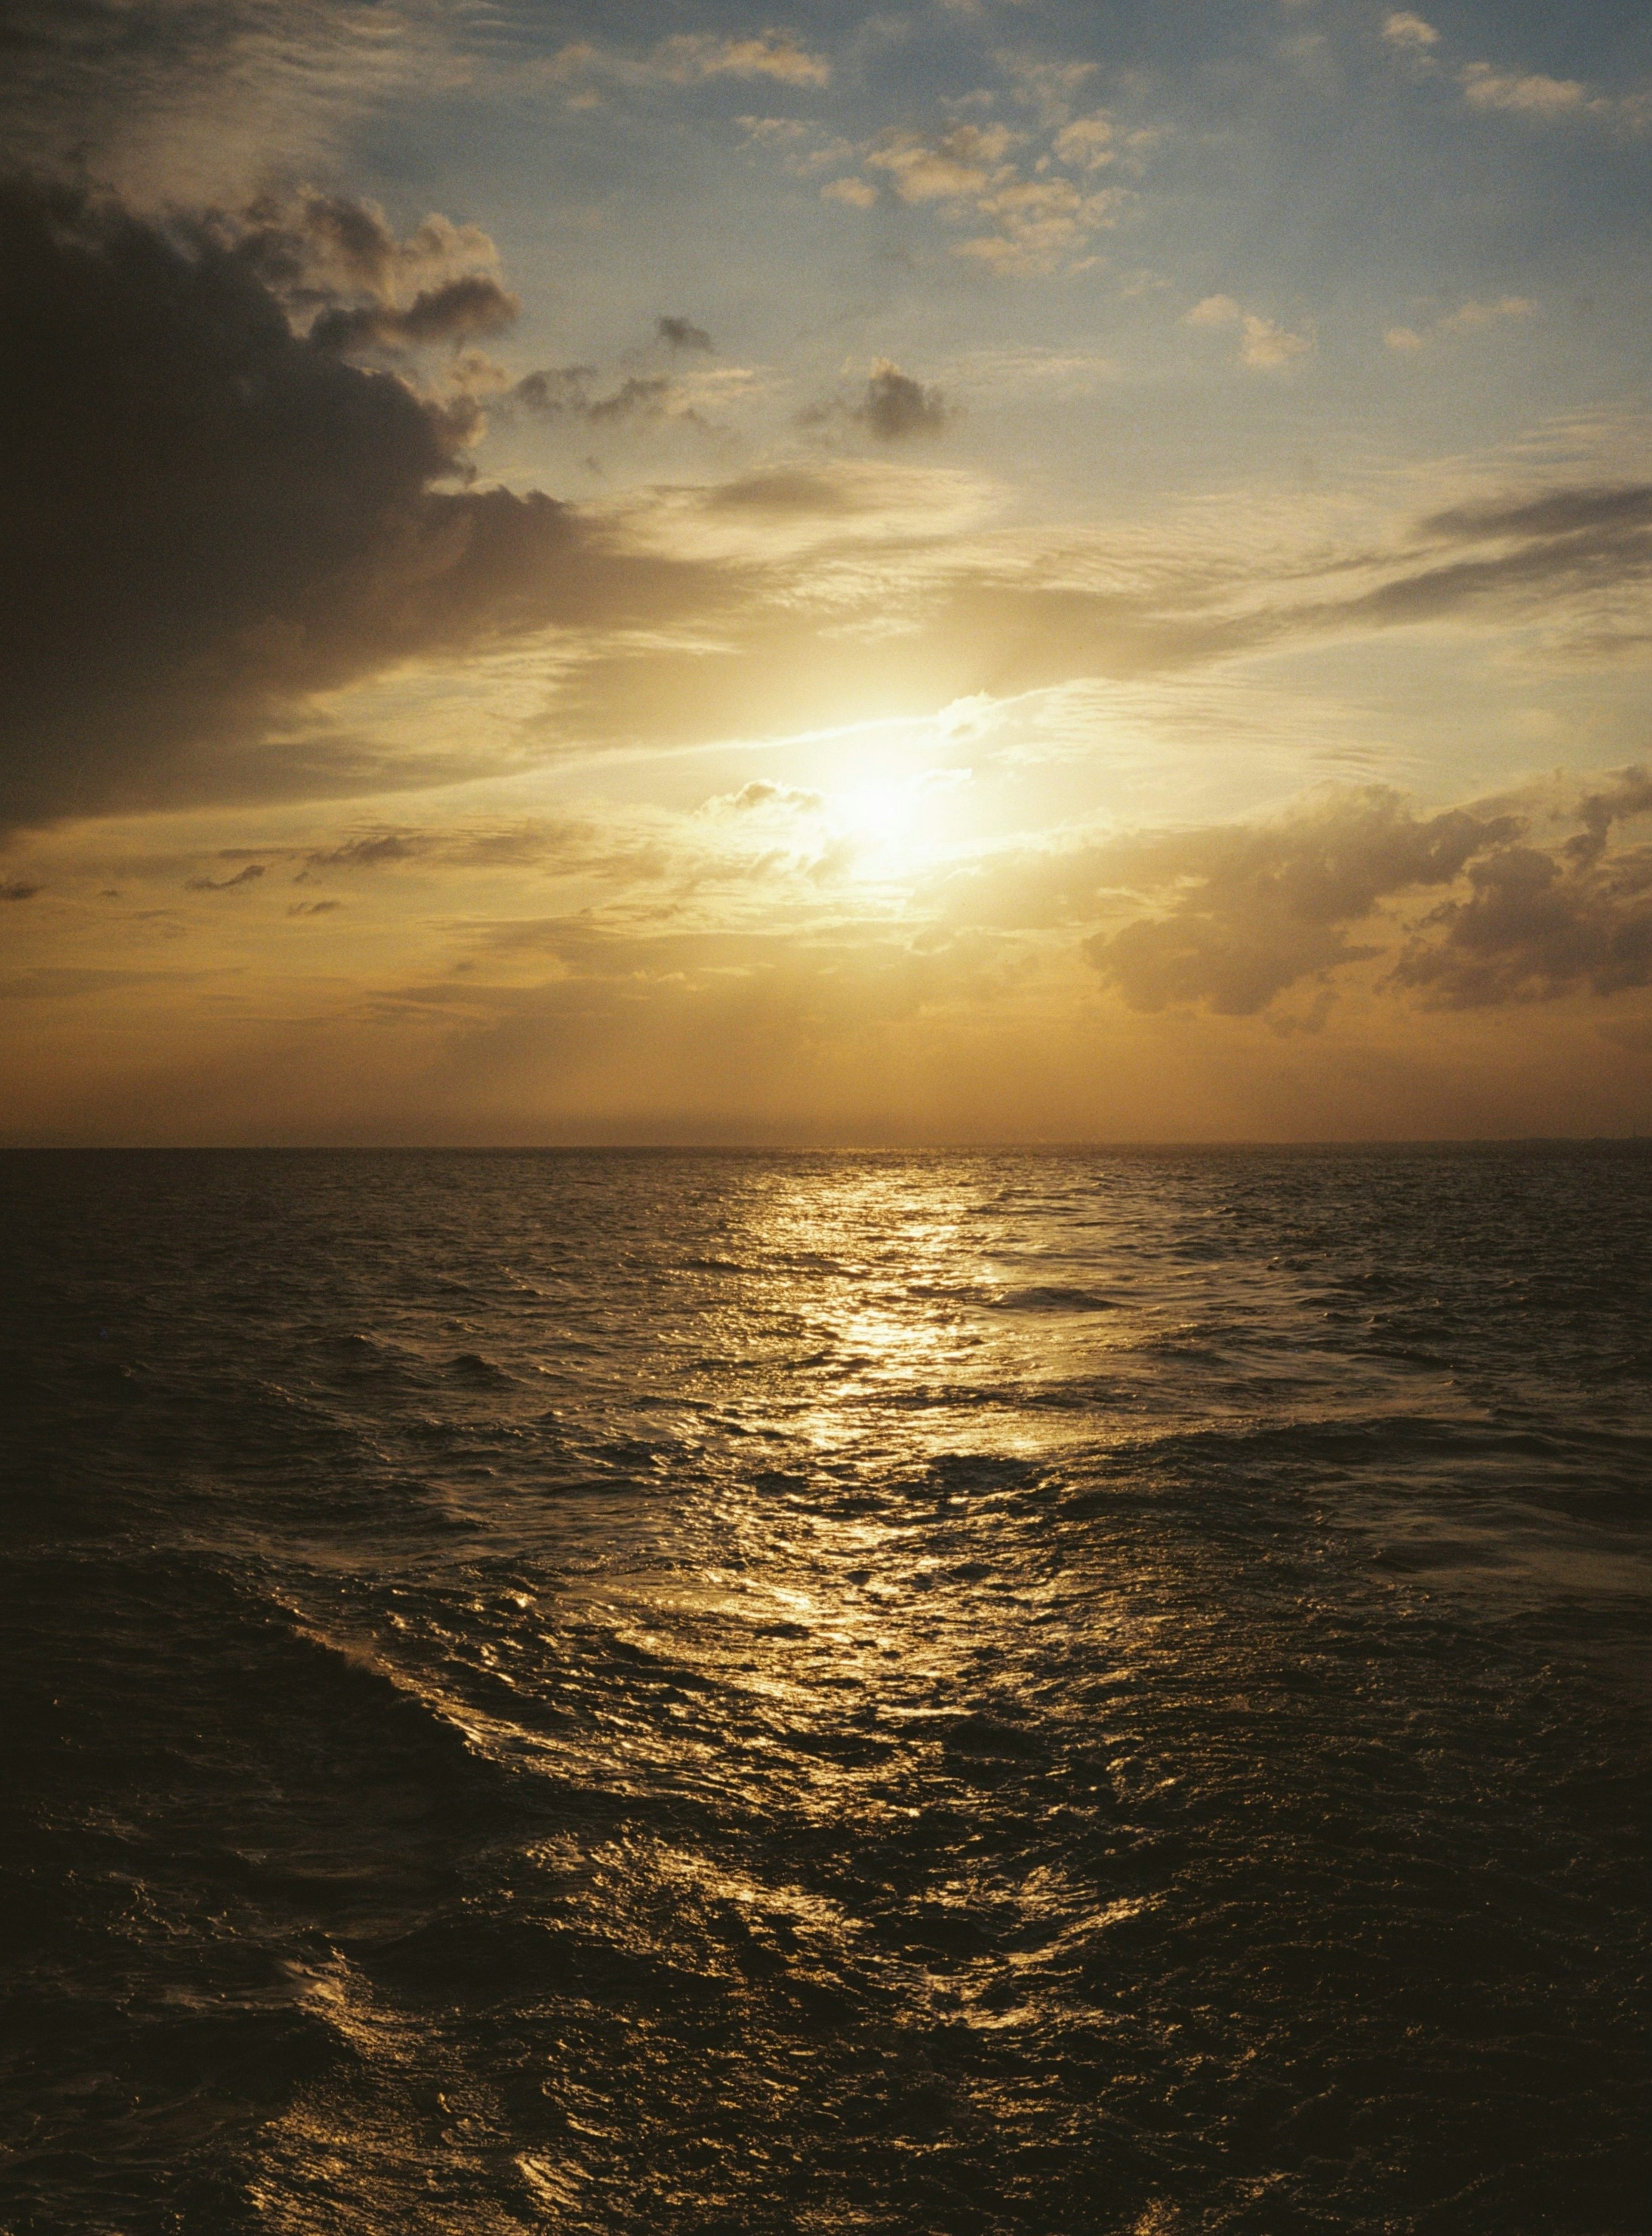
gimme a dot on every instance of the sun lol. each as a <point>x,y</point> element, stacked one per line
<point>886,821</point>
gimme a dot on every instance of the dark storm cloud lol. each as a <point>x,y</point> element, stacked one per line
<point>210,517</point>
<point>681,334</point>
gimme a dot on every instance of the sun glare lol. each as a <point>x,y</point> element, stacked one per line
<point>891,824</point>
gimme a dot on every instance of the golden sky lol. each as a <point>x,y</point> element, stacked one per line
<point>994,571</point>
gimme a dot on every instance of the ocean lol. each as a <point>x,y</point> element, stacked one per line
<point>980,1693</point>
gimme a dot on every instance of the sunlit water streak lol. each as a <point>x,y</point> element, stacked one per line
<point>952,1693</point>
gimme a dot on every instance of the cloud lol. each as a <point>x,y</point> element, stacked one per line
<point>18,893</point>
<point>1256,908</point>
<point>857,194</point>
<point>219,517</point>
<point>249,876</point>
<point>1087,143</point>
<point>1567,548</point>
<point>369,853</point>
<point>1043,221</point>
<point>554,391</point>
<point>194,102</point>
<point>1403,30</point>
<point>892,407</point>
<point>1472,317</point>
<point>772,54</point>
<point>1246,911</point>
<point>313,250</point>
<point>689,58</point>
<point>678,333</point>
<point>1540,923</point>
<point>459,310</point>
<point>1532,94</point>
<point>896,407</point>
<point>1264,346</point>
<point>761,795</point>
<point>1051,88</point>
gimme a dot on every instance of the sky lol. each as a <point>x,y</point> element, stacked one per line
<point>997,570</point>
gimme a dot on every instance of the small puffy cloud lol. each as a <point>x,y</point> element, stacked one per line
<point>18,892</point>
<point>858,194</point>
<point>1051,88</point>
<point>772,54</point>
<point>688,58</point>
<point>679,333</point>
<point>1472,317</point>
<point>1042,219</point>
<point>1086,143</point>
<point>1263,345</point>
<point>1529,96</point>
<point>956,166</point>
<point>1409,32</point>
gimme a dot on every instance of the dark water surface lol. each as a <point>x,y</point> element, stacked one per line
<point>954,1694</point>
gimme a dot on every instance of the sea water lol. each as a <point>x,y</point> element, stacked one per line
<point>943,1695</point>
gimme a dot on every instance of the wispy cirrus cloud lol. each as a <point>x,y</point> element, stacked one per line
<point>173,103</point>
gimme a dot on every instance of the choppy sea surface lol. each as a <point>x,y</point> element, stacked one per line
<point>944,1695</point>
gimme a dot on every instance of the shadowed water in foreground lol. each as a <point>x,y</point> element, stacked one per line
<point>947,1694</point>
